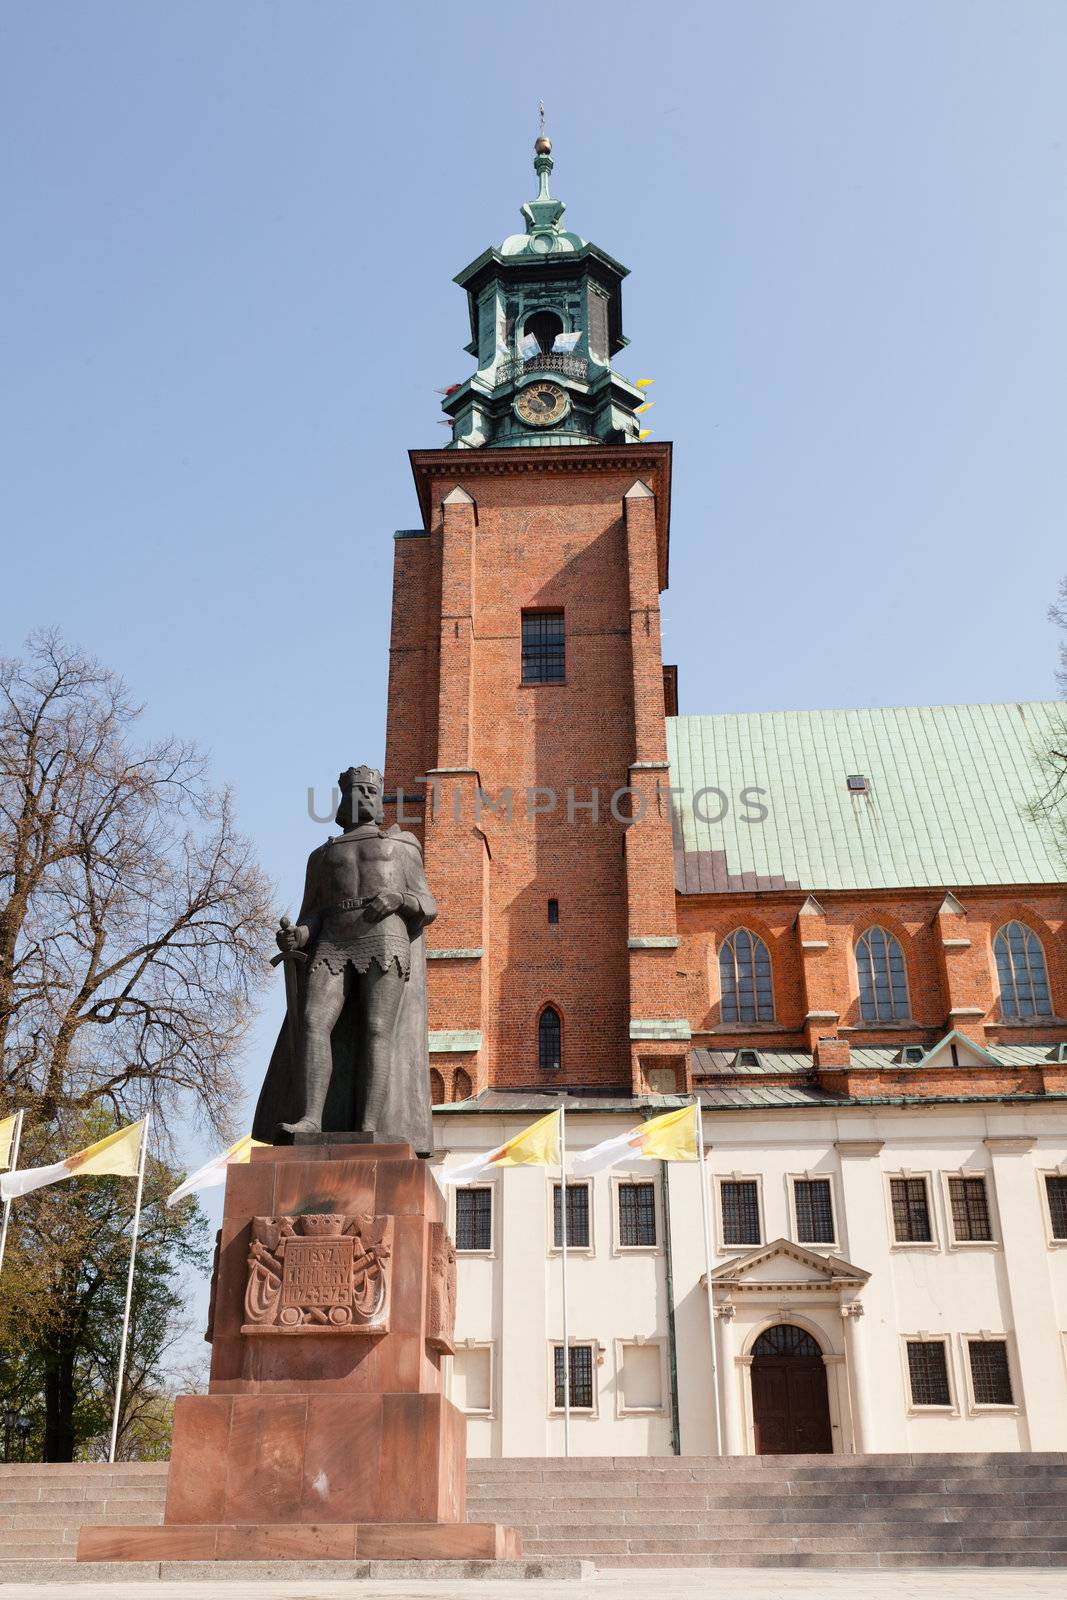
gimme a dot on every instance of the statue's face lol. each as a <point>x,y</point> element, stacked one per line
<point>361,803</point>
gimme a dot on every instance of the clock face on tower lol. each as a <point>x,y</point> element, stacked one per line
<point>541,404</point>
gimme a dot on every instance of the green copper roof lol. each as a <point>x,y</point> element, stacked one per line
<point>945,803</point>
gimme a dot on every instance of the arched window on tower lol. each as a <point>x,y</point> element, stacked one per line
<point>883,977</point>
<point>545,326</point>
<point>745,978</point>
<point>1021,973</point>
<point>549,1040</point>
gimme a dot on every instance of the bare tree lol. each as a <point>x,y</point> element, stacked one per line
<point>133,916</point>
<point>1050,806</point>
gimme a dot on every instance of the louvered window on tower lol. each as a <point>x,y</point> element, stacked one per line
<point>549,1040</point>
<point>543,647</point>
<point>745,979</point>
<point>1021,973</point>
<point>882,977</point>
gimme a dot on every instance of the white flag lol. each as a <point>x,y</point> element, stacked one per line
<point>213,1173</point>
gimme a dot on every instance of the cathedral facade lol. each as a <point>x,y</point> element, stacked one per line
<point>841,932</point>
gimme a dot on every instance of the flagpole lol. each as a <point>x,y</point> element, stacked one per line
<point>563,1261</point>
<point>129,1291</point>
<point>16,1138</point>
<point>707,1269</point>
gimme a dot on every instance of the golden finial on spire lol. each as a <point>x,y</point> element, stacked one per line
<point>542,144</point>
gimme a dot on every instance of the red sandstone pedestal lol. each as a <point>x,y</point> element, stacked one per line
<point>324,1433</point>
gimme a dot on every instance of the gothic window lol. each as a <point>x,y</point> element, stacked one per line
<point>928,1372</point>
<point>739,1199</point>
<point>990,1373</point>
<point>785,1339</point>
<point>437,1088</point>
<point>637,1215</point>
<point>462,1088</point>
<point>474,1218</point>
<point>911,1211</point>
<point>581,1376</point>
<point>814,1205</point>
<point>883,980</point>
<point>543,647</point>
<point>1021,974</point>
<point>971,1221</point>
<point>577,1216</point>
<point>549,1040</point>
<point>745,979</point>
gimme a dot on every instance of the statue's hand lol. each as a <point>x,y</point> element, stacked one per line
<point>385,902</point>
<point>290,939</point>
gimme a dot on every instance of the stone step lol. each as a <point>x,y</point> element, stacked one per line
<point>252,1573</point>
<point>829,1562</point>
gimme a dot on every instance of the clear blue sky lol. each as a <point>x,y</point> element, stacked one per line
<point>230,232</point>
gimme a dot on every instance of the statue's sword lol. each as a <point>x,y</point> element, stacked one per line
<point>289,962</point>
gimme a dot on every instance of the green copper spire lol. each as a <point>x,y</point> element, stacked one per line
<point>546,320</point>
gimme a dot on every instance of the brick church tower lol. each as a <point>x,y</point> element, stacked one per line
<point>526,735</point>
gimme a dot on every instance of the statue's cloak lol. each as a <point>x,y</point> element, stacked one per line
<point>405,1112</point>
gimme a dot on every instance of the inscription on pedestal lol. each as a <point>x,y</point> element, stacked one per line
<point>316,1274</point>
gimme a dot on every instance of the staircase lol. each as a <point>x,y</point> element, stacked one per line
<point>688,1511</point>
<point>783,1511</point>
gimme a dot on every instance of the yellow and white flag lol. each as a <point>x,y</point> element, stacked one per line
<point>118,1154</point>
<point>213,1173</point>
<point>535,1146</point>
<point>7,1139</point>
<point>672,1137</point>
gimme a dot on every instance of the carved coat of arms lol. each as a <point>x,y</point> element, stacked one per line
<point>320,1273</point>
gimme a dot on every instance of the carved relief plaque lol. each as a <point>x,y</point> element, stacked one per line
<point>441,1314</point>
<point>322,1273</point>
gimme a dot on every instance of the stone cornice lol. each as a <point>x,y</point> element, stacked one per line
<point>650,461</point>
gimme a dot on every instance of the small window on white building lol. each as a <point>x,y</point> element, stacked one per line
<point>577,1217</point>
<point>583,1366</point>
<point>910,1199</point>
<point>637,1215</point>
<point>472,1380</point>
<point>1056,1190</point>
<point>990,1373</point>
<point>928,1372</point>
<point>640,1377</point>
<point>474,1218</point>
<point>813,1203</point>
<point>739,1200</point>
<point>969,1201</point>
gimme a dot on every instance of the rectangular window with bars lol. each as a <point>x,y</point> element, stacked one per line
<point>911,1211</point>
<point>577,1216</point>
<point>543,647</point>
<point>970,1210</point>
<point>637,1215</point>
<point>1056,1189</point>
<point>581,1365</point>
<point>739,1199</point>
<point>928,1372</point>
<point>990,1375</point>
<point>474,1219</point>
<point>814,1204</point>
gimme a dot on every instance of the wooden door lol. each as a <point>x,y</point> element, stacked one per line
<point>790,1404</point>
